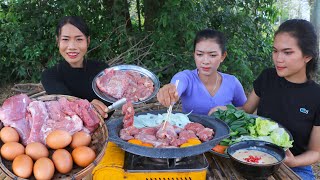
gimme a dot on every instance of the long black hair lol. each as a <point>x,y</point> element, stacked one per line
<point>75,21</point>
<point>306,36</point>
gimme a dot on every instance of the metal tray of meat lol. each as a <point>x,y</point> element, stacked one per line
<point>142,71</point>
<point>220,128</point>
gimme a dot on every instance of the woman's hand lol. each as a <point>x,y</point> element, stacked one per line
<point>167,95</point>
<point>100,107</point>
<point>290,160</point>
<point>311,156</point>
<point>217,108</point>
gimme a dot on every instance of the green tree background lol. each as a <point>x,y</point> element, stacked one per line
<point>156,34</point>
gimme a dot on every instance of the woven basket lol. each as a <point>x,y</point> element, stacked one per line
<point>98,144</point>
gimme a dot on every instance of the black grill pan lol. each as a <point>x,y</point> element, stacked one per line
<point>220,128</point>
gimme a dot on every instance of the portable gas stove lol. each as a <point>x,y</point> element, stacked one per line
<point>193,167</point>
<point>136,167</point>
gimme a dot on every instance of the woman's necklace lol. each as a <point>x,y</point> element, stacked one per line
<point>215,86</point>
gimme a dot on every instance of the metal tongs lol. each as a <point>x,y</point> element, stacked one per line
<point>117,104</point>
<point>170,108</point>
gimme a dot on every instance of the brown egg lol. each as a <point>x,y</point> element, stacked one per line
<point>80,139</point>
<point>43,168</point>
<point>83,156</point>
<point>10,150</point>
<point>22,166</point>
<point>9,134</point>
<point>58,139</point>
<point>62,161</point>
<point>36,150</point>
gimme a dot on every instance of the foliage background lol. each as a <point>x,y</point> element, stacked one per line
<point>156,34</point>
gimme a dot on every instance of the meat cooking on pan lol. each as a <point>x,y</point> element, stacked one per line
<point>164,135</point>
<point>129,84</point>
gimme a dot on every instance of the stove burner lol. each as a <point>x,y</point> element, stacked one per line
<point>135,163</point>
<point>164,160</point>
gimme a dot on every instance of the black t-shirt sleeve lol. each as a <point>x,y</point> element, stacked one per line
<point>316,121</point>
<point>317,118</point>
<point>258,83</point>
<point>263,80</point>
<point>52,83</point>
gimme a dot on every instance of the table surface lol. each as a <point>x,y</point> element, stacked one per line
<point>221,168</point>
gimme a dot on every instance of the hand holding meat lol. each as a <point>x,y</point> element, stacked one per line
<point>168,95</point>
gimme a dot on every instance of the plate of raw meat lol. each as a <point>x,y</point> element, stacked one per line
<point>132,82</point>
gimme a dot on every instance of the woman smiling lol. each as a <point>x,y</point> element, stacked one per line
<point>74,75</point>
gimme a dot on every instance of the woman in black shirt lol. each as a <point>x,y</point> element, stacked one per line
<point>288,95</point>
<point>74,75</point>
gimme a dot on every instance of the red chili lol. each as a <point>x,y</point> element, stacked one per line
<point>254,159</point>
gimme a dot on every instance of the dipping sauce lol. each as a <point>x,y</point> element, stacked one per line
<point>254,156</point>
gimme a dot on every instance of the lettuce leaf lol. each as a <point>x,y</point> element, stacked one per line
<point>281,138</point>
<point>264,127</point>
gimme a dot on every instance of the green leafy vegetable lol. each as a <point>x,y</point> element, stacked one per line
<point>238,121</point>
<point>245,127</point>
<point>281,138</point>
<point>264,127</point>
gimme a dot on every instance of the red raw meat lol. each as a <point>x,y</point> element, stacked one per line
<point>116,86</point>
<point>66,105</point>
<point>125,135</point>
<point>38,117</point>
<point>14,108</point>
<point>148,130</point>
<point>187,134</point>
<point>128,111</point>
<point>13,113</point>
<point>128,133</point>
<point>128,84</point>
<point>205,134</point>
<point>86,112</point>
<point>54,110</point>
<point>34,120</point>
<point>83,109</point>
<point>102,81</point>
<point>184,135</point>
<point>178,142</point>
<point>70,122</point>
<point>166,132</point>
<point>195,127</point>
<point>151,139</point>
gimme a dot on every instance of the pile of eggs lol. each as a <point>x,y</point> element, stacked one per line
<point>35,157</point>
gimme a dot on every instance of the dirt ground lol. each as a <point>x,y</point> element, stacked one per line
<point>6,92</point>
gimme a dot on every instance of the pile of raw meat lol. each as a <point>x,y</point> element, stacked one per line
<point>168,136</point>
<point>34,120</point>
<point>129,84</point>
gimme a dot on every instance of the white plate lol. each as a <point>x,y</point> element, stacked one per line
<point>140,70</point>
